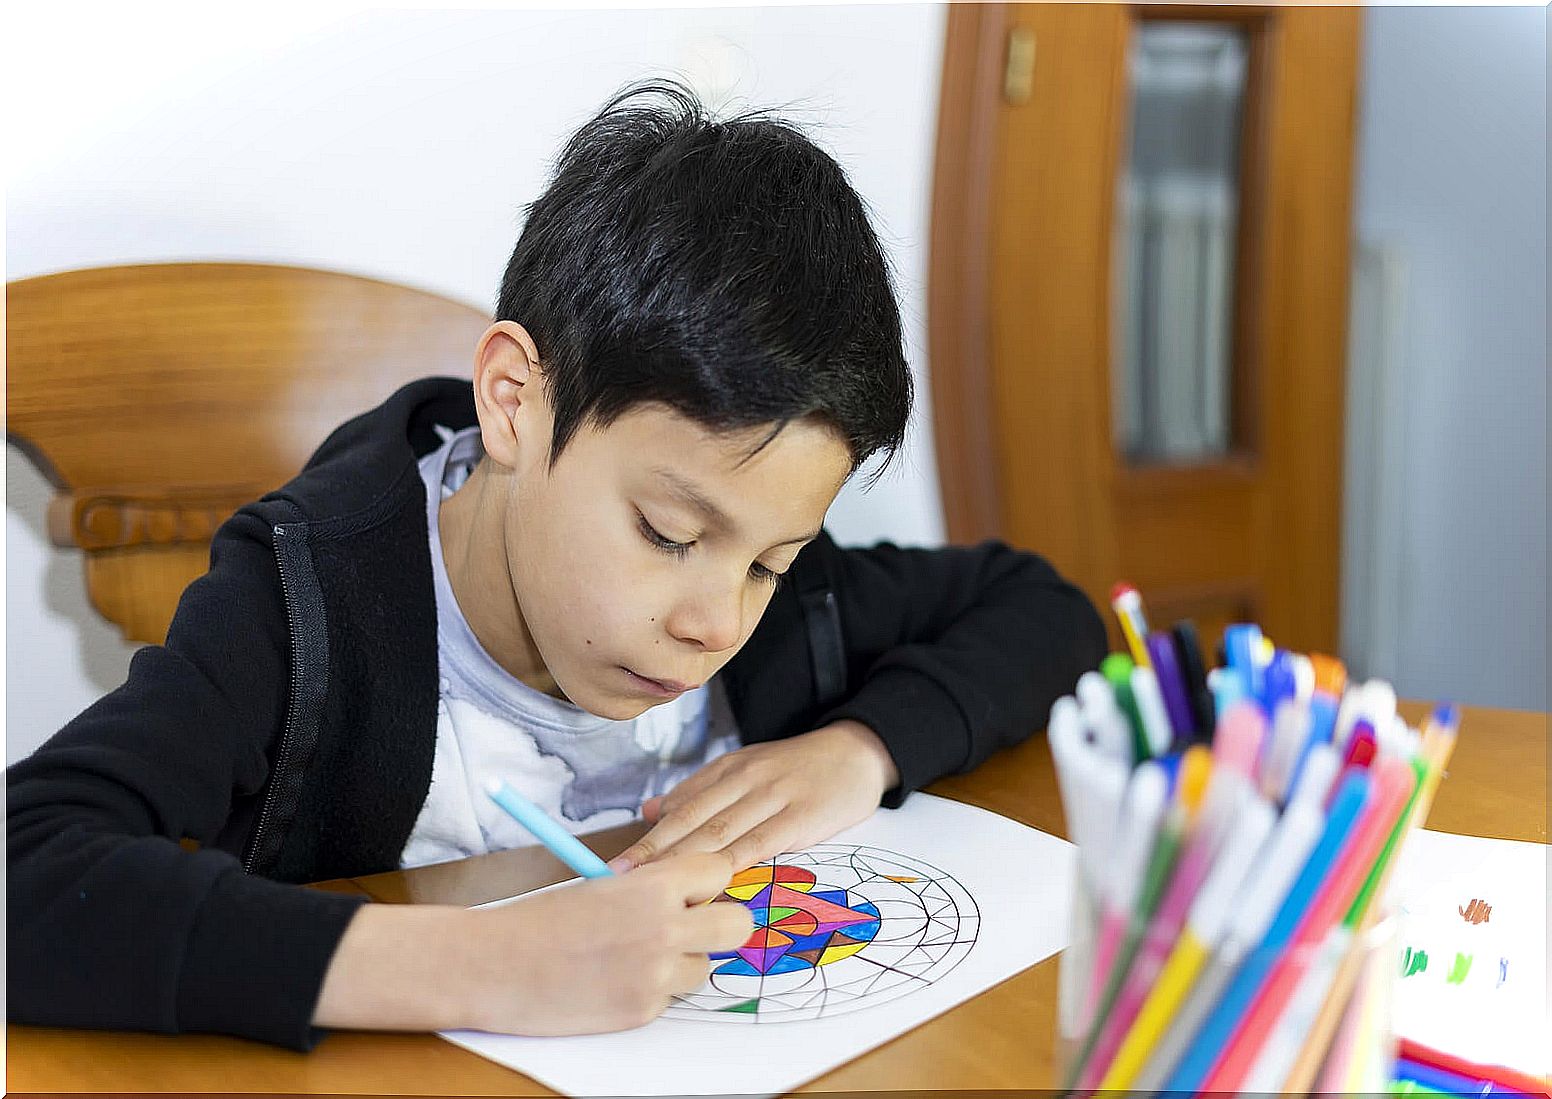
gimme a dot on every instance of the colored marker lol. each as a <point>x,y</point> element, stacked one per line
<point>1129,859</point>
<point>1242,653</point>
<point>1092,784</point>
<point>561,843</point>
<point>1102,717</point>
<point>1361,747</point>
<point>1219,1028</point>
<point>1117,670</point>
<point>1252,907</point>
<point>1205,925</point>
<point>1506,1078</point>
<point>1127,604</point>
<point>1172,686</point>
<point>1195,771</point>
<point>1150,709</point>
<point>1290,730</point>
<point>1393,783</point>
<point>1188,651</point>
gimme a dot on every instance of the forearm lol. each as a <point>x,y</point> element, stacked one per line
<point>400,967</point>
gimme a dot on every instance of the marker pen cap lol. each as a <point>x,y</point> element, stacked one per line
<point>1150,707</point>
<point>1275,870</point>
<point>1238,740</point>
<point>1247,833</point>
<point>1172,686</point>
<point>1303,678</point>
<point>1277,681</point>
<point>1330,674</point>
<point>1241,645</point>
<point>1140,816</point>
<point>1228,686</point>
<point>1315,778</point>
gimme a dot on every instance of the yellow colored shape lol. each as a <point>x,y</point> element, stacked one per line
<point>836,953</point>
<point>1175,981</point>
<point>745,892</point>
<point>891,877</point>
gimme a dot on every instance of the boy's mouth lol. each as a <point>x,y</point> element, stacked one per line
<point>662,688</point>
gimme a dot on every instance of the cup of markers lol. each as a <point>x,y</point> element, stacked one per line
<point>1236,829</point>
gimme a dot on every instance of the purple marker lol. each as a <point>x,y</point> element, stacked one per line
<point>1161,651</point>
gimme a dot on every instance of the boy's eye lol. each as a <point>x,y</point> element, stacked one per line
<point>759,572</point>
<point>667,545</point>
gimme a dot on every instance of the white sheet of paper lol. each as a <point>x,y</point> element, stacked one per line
<point>1020,881</point>
<point>1473,944</point>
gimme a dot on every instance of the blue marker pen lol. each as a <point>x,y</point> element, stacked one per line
<point>561,843</point>
<point>1219,1028</point>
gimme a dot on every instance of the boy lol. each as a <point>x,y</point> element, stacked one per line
<point>602,576</point>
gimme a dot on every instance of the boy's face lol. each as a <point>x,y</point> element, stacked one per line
<point>644,559</point>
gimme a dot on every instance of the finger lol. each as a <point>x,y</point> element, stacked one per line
<point>652,809</point>
<point>690,973</point>
<point>723,829</point>
<point>678,822</point>
<point>767,839</point>
<point>715,928</point>
<point>696,879</point>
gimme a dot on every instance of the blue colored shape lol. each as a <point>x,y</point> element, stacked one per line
<point>738,968</point>
<point>788,964</point>
<point>861,932</point>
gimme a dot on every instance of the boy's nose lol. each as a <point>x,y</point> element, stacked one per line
<point>711,620</point>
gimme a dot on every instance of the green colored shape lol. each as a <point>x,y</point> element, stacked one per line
<point>781,913</point>
<point>748,1007</point>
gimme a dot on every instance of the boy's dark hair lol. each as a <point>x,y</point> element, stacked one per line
<point>723,268</point>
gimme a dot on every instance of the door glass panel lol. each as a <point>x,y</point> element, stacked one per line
<point>1177,222</point>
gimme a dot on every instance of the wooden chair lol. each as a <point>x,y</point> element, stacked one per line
<point>158,399</point>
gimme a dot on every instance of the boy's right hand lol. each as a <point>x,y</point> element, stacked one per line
<point>604,955</point>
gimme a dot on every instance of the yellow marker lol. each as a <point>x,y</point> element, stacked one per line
<point>1127,605</point>
<point>1174,981</point>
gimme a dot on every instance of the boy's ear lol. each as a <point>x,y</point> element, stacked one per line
<point>508,394</point>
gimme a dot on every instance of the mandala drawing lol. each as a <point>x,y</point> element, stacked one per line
<point>837,928</point>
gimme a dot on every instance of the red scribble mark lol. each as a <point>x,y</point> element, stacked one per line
<point>1477,912</point>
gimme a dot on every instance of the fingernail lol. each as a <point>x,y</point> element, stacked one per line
<point>619,864</point>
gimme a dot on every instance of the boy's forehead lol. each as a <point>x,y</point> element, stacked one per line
<point>798,466</point>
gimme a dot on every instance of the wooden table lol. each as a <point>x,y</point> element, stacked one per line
<point>1000,1040</point>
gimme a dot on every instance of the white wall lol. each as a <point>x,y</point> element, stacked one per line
<point>1451,451</point>
<point>401,145</point>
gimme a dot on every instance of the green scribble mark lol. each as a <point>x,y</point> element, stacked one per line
<point>1460,969</point>
<point>1414,961</point>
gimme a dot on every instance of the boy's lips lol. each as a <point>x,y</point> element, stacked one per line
<point>667,688</point>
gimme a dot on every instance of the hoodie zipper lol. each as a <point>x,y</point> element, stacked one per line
<point>287,542</point>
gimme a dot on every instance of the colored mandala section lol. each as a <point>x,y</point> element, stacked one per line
<point>795,926</point>
<point>838,928</point>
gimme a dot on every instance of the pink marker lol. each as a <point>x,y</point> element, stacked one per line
<point>1393,781</point>
<point>1129,854</point>
<point>1245,811</point>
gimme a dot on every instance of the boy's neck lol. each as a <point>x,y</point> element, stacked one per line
<point>473,550</point>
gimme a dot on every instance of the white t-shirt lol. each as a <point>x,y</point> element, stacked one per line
<point>587,772</point>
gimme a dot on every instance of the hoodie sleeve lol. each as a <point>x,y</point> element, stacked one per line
<point>111,922</point>
<point>954,653</point>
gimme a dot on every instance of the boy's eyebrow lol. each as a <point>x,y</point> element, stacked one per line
<point>692,495</point>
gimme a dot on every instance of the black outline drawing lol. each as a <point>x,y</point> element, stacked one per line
<point>927,927</point>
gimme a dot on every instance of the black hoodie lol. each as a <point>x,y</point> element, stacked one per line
<point>288,725</point>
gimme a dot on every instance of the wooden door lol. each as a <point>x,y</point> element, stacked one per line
<point>1039,240</point>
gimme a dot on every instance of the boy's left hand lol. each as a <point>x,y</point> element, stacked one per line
<point>768,798</point>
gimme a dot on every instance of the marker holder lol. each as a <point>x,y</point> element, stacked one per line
<point>1350,1018</point>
